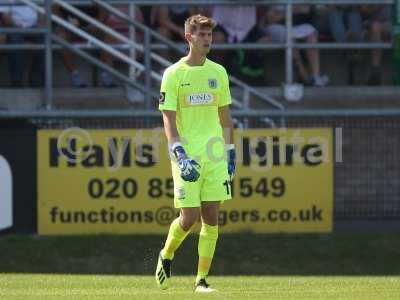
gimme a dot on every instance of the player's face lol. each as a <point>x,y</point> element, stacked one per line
<point>201,40</point>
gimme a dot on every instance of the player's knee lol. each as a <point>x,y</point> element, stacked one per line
<point>189,217</point>
<point>209,213</point>
<point>187,224</point>
<point>213,221</point>
<point>187,221</point>
<point>210,218</point>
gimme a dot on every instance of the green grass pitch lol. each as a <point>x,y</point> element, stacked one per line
<point>38,286</point>
<point>246,266</point>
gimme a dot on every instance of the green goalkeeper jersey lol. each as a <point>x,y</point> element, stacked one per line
<point>196,93</point>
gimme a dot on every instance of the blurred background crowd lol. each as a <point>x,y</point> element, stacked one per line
<point>236,24</point>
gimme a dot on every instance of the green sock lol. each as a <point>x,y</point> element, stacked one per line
<point>207,241</point>
<point>176,235</point>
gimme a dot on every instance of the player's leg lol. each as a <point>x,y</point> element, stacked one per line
<point>207,242</point>
<point>187,198</point>
<point>215,189</point>
<point>178,231</point>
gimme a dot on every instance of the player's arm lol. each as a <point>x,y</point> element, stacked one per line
<point>168,104</point>
<point>226,123</point>
<point>169,119</point>
<point>187,166</point>
<point>227,127</point>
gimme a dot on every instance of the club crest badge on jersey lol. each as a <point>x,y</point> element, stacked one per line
<point>212,83</point>
<point>180,193</point>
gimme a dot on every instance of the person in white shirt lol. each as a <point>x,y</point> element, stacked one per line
<point>273,21</point>
<point>22,16</point>
<point>238,24</point>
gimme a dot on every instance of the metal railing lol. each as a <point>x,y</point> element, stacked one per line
<point>145,89</point>
<point>289,46</point>
<point>247,90</point>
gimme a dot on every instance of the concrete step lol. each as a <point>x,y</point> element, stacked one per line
<point>105,98</point>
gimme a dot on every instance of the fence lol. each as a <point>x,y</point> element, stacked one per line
<point>289,45</point>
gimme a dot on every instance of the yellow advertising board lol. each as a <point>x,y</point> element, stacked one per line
<point>119,181</point>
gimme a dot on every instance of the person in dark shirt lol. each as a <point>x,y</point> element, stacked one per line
<point>94,11</point>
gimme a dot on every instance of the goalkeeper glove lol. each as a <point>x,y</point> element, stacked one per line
<point>231,160</point>
<point>188,167</point>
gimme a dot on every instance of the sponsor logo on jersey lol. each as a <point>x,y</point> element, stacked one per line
<point>180,193</point>
<point>200,98</point>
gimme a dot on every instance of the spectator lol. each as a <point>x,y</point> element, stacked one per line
<point>3,37</point>
<point>345,23</point>
<point>148,15</point>
<point>2,40</point>
<point>273,24</point>
<point>170,20</point>
<point>94,11</point>
<point>378,21</point>
<point>22,16</point>
<point>238,24</point>
<point>122,27</point>
<point>342,23</point>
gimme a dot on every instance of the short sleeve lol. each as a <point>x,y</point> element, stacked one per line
<point>225,91</point>
<point>169,92</point>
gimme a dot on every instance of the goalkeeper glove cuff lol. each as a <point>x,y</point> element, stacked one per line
<point>178,151</point>
<point>231,160</point>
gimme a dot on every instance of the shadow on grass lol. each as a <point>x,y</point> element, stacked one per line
<point>301,254</point>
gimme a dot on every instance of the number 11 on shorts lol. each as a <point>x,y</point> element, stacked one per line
<point>229,187</point>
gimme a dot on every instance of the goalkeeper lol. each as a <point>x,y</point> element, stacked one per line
<point>194,101</point>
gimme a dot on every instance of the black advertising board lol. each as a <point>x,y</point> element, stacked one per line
<point>17,176</point>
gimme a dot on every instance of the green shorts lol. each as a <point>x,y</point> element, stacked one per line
<point>212,185</point>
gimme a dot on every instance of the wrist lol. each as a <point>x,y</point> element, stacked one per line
<point>230,147</point>
<point>178,151</point>
<point>231,153</point>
